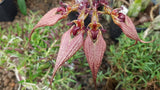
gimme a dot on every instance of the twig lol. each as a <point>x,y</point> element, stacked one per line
<point>147,32</point>
<point>152,9</point>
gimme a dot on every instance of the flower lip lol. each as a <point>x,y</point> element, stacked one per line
<point>121,17</point>
<point>94,34</point>
<point>118,16</point>
<point>75,30</point>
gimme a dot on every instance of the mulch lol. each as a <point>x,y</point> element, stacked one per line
<point>8,80</point>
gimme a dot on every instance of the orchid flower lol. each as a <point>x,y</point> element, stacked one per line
<point>93,45</point>
<point>126,24</point>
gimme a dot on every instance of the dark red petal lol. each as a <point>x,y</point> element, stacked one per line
<point>69,46</point>
<point>49,19</point>
<point>129,30</point>
<point>94,52</point>
<point>94,33</point>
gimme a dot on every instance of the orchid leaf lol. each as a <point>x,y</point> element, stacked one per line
<point>145,4</point>
<point>135,8</point>
<point>22,6</point>
<point>94,52</point>
<point>49,19</point>
<point>69,46</point>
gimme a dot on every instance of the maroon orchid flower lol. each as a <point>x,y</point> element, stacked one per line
<point>126,24</point>
<point>94,45</point>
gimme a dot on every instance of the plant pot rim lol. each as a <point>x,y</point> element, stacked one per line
<point>2,1</point>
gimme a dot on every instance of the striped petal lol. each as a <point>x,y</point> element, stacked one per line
<point>94,52</point>
<point>49,19</point>
<point>69,46</point>
<point>129,30</point>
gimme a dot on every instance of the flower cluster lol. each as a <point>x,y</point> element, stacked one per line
<point>93,45</point>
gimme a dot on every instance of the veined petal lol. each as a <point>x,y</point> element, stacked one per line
<point>69,46</point>
<point>49,19</point>
<point>129,30</point>
<point>94,52</point>
<point>129,22</point>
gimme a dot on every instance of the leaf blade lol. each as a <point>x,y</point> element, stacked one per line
<point>22,6</point>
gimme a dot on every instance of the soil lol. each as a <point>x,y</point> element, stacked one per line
<point>8,79</point>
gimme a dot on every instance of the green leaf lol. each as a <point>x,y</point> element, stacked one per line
<point>21,81</point>
<point>22,6</point>
<point>145,4</point>
<point>135,8</point>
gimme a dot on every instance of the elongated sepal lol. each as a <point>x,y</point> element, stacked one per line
<point>94,52</point>
<point>49,19</point>
<point>129,30</point>
<point>68,47</point>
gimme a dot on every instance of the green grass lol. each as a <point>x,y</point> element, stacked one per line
<point>136,67</point>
